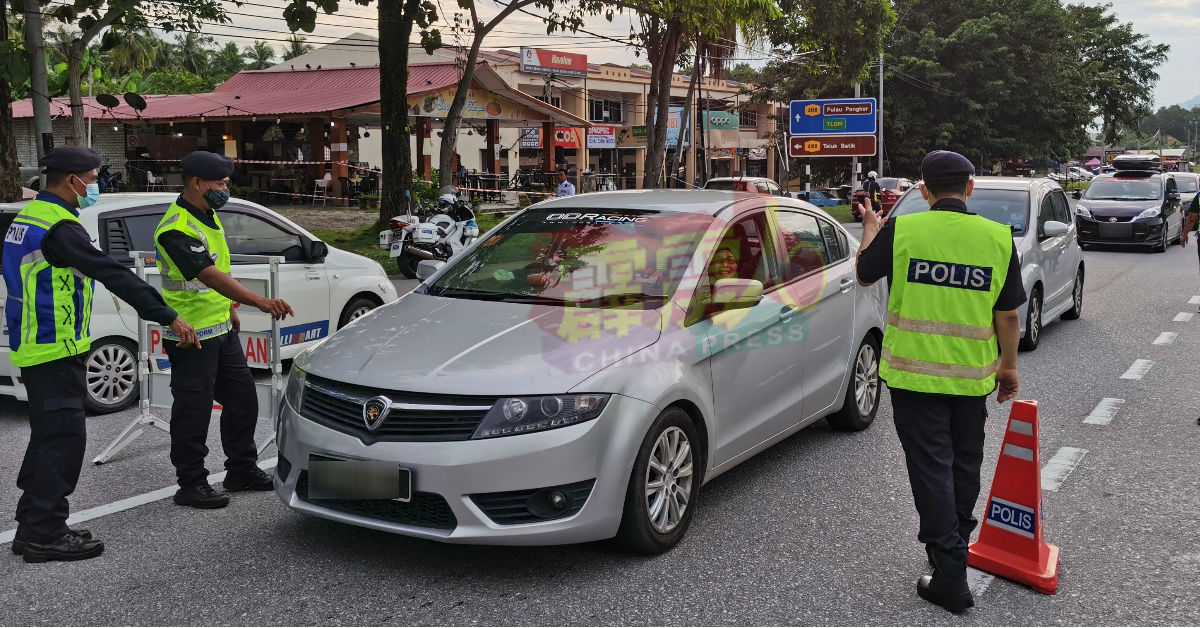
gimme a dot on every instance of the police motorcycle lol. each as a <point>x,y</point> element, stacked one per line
<point>433,233</point>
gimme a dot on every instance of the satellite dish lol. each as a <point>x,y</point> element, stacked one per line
<point>108,100</point>
<point>135,101</point>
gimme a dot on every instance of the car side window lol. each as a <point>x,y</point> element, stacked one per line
<point>122,234</point>
<point>250,235</point>
<point>804,247</point>
<point>1046,212</point>
<point>836,251</point>
<point>745,242</point>
<point>1062,209</point>
<point>774,189</point>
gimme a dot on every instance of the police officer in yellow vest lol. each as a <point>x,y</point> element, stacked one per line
<point>193,260</point>
<point>951,339</point>
<point>50,265</point>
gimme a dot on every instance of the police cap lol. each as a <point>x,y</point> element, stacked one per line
<point>70,159</point>
<point>206,165</point>
<point>945,165</point>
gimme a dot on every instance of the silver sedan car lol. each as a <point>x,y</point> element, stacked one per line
<point>582,369</point>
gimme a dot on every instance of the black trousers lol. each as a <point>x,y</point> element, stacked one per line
<point>54,457</point>
<point>216,371</point>
<point>942,436</point>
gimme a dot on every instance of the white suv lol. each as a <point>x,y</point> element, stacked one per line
<point>327,287</point>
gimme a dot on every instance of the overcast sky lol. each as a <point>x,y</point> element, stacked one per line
<point>1174,22</point>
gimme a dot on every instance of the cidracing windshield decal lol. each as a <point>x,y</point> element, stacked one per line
<point>605,218</point>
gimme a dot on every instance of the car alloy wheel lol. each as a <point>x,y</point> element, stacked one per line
<point>111,376</point>
<point>669,479</point>
<point>1033,323</point>
<point>866,379</point>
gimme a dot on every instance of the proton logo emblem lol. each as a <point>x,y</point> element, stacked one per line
<point>1112,219</point>
<point>375,411</point>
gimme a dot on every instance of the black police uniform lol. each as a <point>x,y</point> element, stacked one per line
<point>217,370</point>
<point>871,187</point>
<point>57,389</point>
<point>942,435</point>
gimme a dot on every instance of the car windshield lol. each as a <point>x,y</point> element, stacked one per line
<point>1007,207</point>
<point>1122,190</point>
<point>579,258</point>
<point>1187,185</point>
<point>739,185</point>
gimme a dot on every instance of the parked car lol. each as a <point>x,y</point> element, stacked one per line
<point>753,185</point>
<point>580,371</point>
<point>1080,174</point>
<point>326,286</point>
<point>1131,208</point>
<point>31,176</point>
<point>891,189</point>
<point>1188,183</point>
<point>820,198</point>
<point>1052,268</point>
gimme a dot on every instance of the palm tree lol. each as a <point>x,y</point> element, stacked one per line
<point>295,47</point>
<point>137,51</point>
<point>194,50</point>
<point>261,55</point>
<point>166,57</point>
<point>227,61</point>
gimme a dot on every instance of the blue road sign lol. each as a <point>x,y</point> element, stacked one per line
<point>833,116</point>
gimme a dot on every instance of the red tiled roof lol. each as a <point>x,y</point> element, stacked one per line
<point>219,104</point>
<point>250,81</point>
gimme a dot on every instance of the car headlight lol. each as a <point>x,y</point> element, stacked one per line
<point>1084,212</point>
<point>1149,213</point>
<point>521,415</point>
<point>295,387</point>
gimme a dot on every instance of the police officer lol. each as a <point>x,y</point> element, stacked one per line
<point>873,191</point>
<point>193,259</point>
<point>50,266</point>
<point>951,339</point>
<point>565,187</point>
<point>1193,216</point>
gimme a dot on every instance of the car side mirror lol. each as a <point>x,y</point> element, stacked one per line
<point>733,294</point>
<point>1054,228</point>
<point>318,251</point>
<point>1076,194</point>
<point>426,268</point>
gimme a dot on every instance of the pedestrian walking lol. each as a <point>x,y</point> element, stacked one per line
<point>50,267</point>
<point>951,339</point>
<point>194,262</point>
<point>565,188</point>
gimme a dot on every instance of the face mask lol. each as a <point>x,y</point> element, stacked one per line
<point>92,195</point>
<point>216,198</point>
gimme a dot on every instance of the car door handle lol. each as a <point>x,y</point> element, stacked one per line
<point>846,284</point>
<point>786,313</point>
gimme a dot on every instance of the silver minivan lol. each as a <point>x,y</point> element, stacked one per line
<point>580,370</point>
<point>1046,241</point>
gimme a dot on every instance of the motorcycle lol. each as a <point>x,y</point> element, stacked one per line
<point>110,182</point>
<point>435,234</point>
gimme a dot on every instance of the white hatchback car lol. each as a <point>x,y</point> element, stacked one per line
<point>327,287</point>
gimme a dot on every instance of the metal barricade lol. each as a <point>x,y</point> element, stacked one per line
<point>154,382</point>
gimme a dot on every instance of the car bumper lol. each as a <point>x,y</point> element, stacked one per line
<point>445,476</point>
<point>1129,233</point>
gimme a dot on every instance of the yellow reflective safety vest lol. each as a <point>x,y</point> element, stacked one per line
<point>205,309</point>
<point>48,309</point>
<point>947,271</point>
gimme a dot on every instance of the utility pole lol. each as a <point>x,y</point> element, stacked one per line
<point>880,169</point>
<point>854,160</point>
<point>37,79</point>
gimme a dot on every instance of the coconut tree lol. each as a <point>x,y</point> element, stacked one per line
<point>227,61</point>
<point>137,52</point>
<point>260,55</point>
<point>194,52</point>
<point>295,47</point>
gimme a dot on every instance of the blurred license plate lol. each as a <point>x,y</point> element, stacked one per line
<point>1116,230</point>
<point>397,248</point>
<point>358,479</point>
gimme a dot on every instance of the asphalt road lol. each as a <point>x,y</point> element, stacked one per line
<point>820,529</point>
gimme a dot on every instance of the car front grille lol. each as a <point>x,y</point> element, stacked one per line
<point>424,510</point>
<point>532,505</point>
<point>422,417</point>
<point>1103,218</point>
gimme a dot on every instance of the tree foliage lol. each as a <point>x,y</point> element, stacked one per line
<point>1175,121</point>
<point>295,47</point>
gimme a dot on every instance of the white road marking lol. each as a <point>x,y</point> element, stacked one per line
<point>132,502</point>
<point>1104,412</point>
<point>1166,338</point>
<point>1060,466</point>
<point>978,581</point>
<point>1183,317</point>
<point>1194,300</point>
<point>1138,369</point>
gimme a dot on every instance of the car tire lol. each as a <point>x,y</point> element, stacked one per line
<point>1163,242</point>
<point>638,532</point>
<point>407,265</point>
<point>1033,322</point>
<point>1076,298</point>
<point>111,375</point>
<point>862,391</point>
<point>357,307</point>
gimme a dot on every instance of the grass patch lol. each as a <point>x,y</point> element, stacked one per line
<point>365,240</point>
<point>841,213</point>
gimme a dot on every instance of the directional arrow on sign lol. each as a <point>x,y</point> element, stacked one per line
<point>797,117</point>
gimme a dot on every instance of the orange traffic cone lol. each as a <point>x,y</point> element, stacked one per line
<point>1010,541</point>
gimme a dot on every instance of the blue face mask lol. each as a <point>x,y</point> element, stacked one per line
<point>92,195</point>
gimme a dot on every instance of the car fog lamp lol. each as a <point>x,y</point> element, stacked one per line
<point>514,409</point>
<point>558,500</point>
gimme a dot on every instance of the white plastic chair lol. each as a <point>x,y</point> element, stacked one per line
<point>154,183</point>
<point>321,188</point>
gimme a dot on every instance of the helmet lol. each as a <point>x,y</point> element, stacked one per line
<point>872,174</point>
<point>446,199</point>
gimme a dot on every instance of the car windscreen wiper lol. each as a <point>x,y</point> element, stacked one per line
<point>618,299</point>
<point>487,295</point>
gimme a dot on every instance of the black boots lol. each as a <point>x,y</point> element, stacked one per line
<point>947,587</point>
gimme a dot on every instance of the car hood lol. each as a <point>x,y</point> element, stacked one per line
<point>423,343</point>
<point>1118,208</point>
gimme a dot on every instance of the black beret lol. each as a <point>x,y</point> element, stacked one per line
<point>206,165</point>
<point>943,165</point>
<point>72,159</point>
